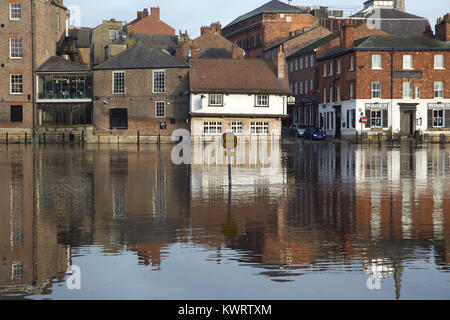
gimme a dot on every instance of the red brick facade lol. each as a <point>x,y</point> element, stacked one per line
<point>265,30</point>
<point>150,24</point>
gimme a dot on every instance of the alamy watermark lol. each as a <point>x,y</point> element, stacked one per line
<point>73,282</point>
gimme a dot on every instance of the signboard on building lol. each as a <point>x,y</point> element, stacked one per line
<point>377,105</point>
<point>407,74</point>
<point>291,100</point>
<point>439,105</point>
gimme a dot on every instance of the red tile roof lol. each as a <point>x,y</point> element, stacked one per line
<point>236,76</point>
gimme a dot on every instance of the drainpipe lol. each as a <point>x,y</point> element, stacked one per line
<point>33,69</point>
<point>392,91</point>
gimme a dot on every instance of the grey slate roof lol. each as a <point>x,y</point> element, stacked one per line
<point>61,65</point>
<point>395,21</point>
<point>290,38</point>
<point>215,53</point>
<point>273,6</point>
<point>393,42</point>
<point>161,41</point>
<point>141,56</point>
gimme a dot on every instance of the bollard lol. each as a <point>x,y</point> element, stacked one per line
<point>44,138</point>
<point>7,138</point>
<point>25,138</point>
<point>138,137</point>
<point>82,137</point>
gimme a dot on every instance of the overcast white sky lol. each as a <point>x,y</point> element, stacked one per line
<point>190,15</point>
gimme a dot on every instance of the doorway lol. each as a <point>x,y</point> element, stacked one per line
<point>407,122</point>
<point>337,112</point>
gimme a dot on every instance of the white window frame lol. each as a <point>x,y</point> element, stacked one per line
<point>158,113</point>
<point>262,100</point>
<point>259,127</point>
<point>164,83</point>
<point>16,9</point>
<point>306,87</point>
<point>324,70</point>
<point>331,68</point>
<point>324,95</point>
<point>352,91</point>
<point>214,99</point>
<point>114,89</point>
<point>409,89</point>
<point>312,61</point>
<point>296,64</point>
<point>19,51</point>
<point>442,118</point>
<point>331,94</point>
<point>13,83</point>
<point>377,62</point>
<point>372,118</point>
<point>417,92</point>
<point>438,88</point>
<point>312,85</point>
<point>439,62</point>
<point>306,63</point>
<point>212,127</point>
<point>376,90</point>
<point>237,127</point>
<point>408,62</point>
<point>112,34</point>
<point>352,63</point>
<point>338,94</point>
<point>301,63</point>
<point>338,66</point>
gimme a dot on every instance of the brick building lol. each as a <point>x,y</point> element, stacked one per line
<point>141,90</point>
<point>105,34</point>
<point>210,44</point>
<point>149,24</point>
<point>399,83</point>
<point>29,34</point>
<point>266,26</point>
<point>303,74</point>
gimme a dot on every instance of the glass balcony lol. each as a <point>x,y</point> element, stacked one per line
<point>57,87</point>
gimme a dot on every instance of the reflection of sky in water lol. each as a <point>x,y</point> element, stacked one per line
<point>315,225</point>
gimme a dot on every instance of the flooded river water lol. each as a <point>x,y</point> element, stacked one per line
<point>325,221</point>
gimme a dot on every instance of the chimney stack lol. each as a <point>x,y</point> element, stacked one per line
<point>347,36</point>
<point>234,51</point>
<point>281,64</point>
<point>155,13</point>
<point>140,15</point>
<point>428,31</point>
<point>443,28</point>
<point>145,12</point>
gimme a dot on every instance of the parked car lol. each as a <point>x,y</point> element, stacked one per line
<point>298,130</point>
<point>315,134</point>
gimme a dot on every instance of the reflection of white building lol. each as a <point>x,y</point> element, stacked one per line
<point>255,168</point>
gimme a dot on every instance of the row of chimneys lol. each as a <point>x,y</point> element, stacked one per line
<point>214,28</point>
<point>155,12</point>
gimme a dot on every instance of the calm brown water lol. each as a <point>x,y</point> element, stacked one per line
<point>325,222</point>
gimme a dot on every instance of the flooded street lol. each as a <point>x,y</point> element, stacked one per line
<point>324,221</point>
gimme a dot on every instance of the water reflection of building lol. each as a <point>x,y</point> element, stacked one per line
<point>30,254</point>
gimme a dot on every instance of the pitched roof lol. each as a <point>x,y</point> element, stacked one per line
<point>314,45</point>
<point>236,76</point>
<point>141,56</point>
<point>394,21</point>
<point>273,6</point>
<point>161,41</point>
<point>215,53</point>
<point>58,64</point>
<point>393,42</point>
<point>290,38</point>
